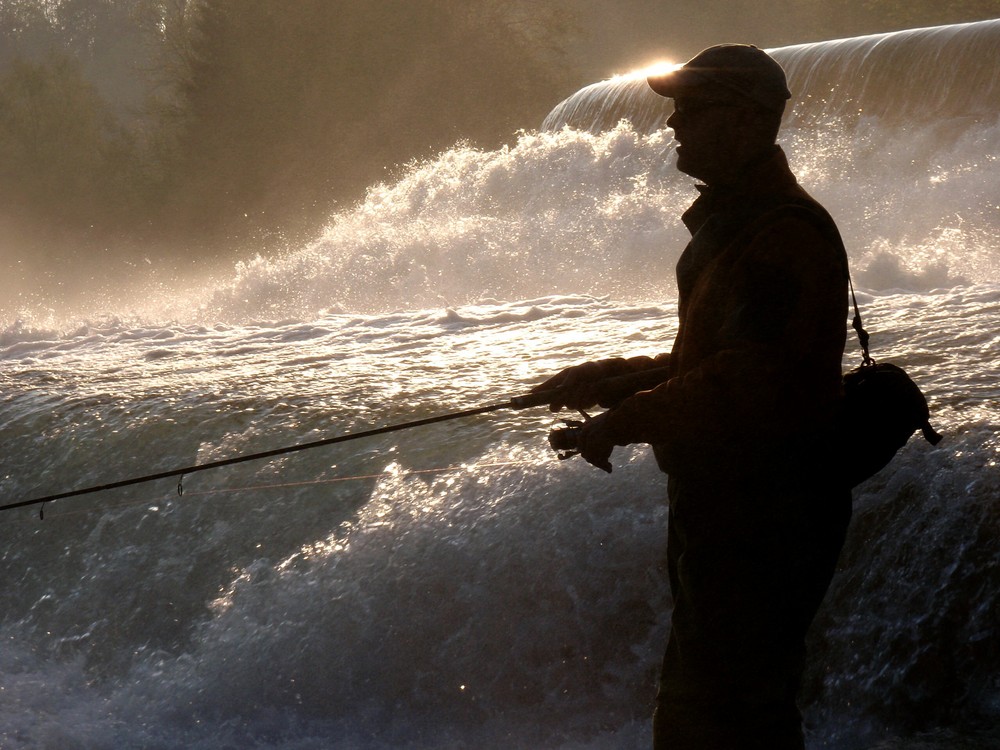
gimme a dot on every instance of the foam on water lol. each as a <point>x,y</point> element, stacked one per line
<point>305,610</point>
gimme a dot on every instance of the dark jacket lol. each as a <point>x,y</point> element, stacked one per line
<point>755,368</point>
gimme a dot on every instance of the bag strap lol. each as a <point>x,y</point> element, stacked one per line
<point>858,326</point>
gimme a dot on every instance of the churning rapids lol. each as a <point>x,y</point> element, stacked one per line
<point>455,586</point>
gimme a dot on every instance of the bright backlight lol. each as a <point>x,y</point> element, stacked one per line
<point>655,69</point>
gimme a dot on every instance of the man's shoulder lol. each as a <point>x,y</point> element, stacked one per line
<point>803,211</point>
<point>796,232</point>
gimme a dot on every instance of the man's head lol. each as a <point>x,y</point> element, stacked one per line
<point>737,72</point>
<point>728,102</point>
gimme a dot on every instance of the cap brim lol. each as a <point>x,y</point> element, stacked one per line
<point>677,81</point>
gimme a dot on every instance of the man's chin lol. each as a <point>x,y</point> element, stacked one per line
<point>684,164</point>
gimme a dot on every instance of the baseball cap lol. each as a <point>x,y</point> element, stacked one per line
<point>741,69</point>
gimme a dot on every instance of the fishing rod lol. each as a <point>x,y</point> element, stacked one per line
<point>611,390</point>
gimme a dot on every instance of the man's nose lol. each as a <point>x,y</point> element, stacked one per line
<point>674,119</point>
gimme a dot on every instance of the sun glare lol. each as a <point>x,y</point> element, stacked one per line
<point>655,69</point>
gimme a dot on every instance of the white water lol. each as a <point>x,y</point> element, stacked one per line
<point>455,585</point>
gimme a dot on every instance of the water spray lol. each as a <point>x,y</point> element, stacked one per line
<point>611,389</point>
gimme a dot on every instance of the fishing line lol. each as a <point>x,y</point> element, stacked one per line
<point>625,385</point>
<point>465,468</point>
<point>516,403</point>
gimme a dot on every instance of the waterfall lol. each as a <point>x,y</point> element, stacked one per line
<point>944,72</point>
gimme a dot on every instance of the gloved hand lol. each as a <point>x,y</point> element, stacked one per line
<point>579,383</point>
<point>583,388</point>
<point>594,442</point>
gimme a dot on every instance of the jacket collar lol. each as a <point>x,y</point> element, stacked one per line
<point>763,176</point>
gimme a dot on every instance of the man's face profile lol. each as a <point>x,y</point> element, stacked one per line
<point>715,136</point>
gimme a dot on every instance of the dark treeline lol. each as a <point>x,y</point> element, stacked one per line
<point>209,124</point>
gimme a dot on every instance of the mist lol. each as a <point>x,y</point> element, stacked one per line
<point>154,141</point>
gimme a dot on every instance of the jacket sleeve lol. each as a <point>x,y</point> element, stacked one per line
<point>775,367</point>
<point>615,366</point>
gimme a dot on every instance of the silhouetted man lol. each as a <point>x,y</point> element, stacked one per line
<point>742,425</point>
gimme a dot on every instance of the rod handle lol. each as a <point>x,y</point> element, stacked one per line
<point>615,388</point>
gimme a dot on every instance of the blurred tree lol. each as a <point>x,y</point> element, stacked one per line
<point>285,108</point>
<point>258,115</point>
<point>60,146</point>
<point>25,31</point>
